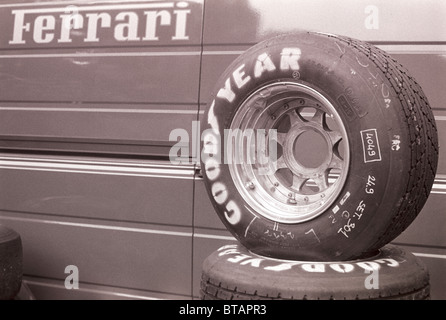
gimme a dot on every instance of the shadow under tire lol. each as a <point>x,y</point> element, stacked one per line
<point>11,263</point>
<point>234,273</point>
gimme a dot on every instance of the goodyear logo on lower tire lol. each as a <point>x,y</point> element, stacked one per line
<point>233,255</point>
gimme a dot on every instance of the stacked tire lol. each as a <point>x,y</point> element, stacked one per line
<point>318,150</point>
<point>234,273</point>
<point>11,264</point>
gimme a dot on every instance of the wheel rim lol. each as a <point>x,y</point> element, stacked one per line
<point>270,159</point>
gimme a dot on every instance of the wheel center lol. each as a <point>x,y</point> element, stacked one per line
<point>307,150</point>
<point>310,149</point>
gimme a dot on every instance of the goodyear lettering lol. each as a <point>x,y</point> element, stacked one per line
<point>226,92</point>
<point>233,213</point>
<point>212,168</point>
<point>263,63</point>
<point>235,256</point>
<point>220,193</point>
<point>289,60</point>
<point>125,22</point>
<point>239,78</point>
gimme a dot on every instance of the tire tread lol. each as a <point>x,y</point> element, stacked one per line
<point>213,291</point>
<point>422,130</point>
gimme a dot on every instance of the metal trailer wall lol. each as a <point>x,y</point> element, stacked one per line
<point>85,176</point>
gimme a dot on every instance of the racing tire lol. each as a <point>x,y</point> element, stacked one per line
<point>11,265</point>
<point>317,147</point>
<point>234,273</point>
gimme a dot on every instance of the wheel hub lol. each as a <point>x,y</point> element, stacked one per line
<point>291,155</point>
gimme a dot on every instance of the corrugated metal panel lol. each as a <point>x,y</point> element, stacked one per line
<point>116,254</point>
<point>116,191</point>
<point>124,71</point>
<point>116,85</point>
<point>143,76</point>
<point>50,289</point>
<point>93,127</point>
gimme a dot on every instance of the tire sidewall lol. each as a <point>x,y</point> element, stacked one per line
<point>391,273</point>
<point>11,263</point>
<point>349,225</point>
